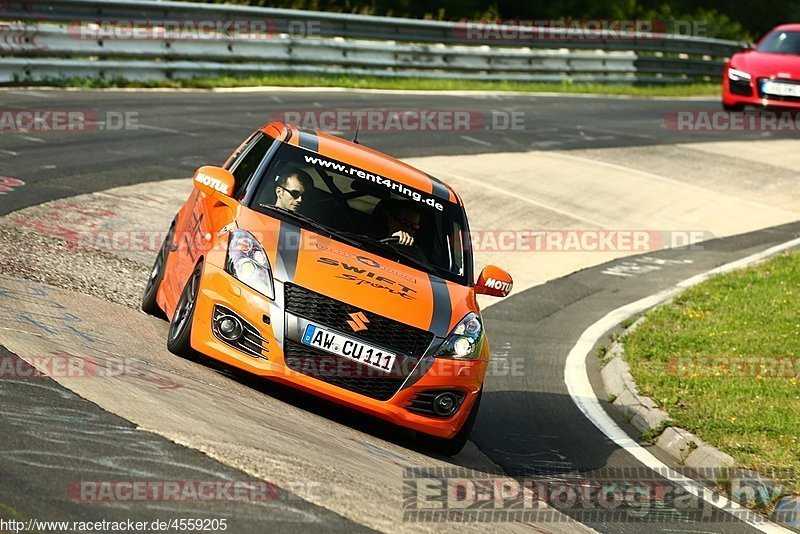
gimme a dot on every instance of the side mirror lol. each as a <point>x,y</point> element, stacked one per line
<point>494,281</point>
<point>214,181</point>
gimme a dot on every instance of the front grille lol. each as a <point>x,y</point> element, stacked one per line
<point>346,373</point>
<point>741,87</point>
<point>381,331</point>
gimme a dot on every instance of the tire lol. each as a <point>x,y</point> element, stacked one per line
<point>149,304</point>
<point>732,107</point>
<point>451,446</point>
<point>180,327</point>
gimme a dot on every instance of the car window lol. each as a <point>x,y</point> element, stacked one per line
<point>781,42</point>
<point>234,158</point>
<point>247,163</point>
<point>354,201</point>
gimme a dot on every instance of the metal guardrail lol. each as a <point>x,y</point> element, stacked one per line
<point>47,46</point>
<point>44,47</point>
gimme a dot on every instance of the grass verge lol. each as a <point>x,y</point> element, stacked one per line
<point>359,82</point>
<point>723,360</point>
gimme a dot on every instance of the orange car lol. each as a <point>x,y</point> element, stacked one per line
<point>329,266</point>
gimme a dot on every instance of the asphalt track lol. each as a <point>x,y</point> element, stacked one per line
<point>528,424</point>
<point>53,438</point>
<point>550,434</point>
<point>177,132</point>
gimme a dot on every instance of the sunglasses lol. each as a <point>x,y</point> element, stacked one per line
<point>408,225</point>
<point>294,192</point>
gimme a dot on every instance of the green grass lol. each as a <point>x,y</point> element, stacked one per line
<point>358,82</point>
<point>748,313</point>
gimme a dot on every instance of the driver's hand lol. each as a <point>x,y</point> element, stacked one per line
<point>404,237</point>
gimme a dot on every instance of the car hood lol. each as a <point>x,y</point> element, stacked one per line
<point>762,65</point>
<point>362,279</point>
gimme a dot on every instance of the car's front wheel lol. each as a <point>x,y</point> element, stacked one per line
<point>452,446</point>
<point>149,304</point>
<point>180,328</point>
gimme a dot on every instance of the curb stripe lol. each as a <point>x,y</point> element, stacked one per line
<point>576,377</point>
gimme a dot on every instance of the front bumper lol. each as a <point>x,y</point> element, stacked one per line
<point>732,94</point>
<point>218,288</point>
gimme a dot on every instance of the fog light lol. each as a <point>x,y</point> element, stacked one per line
<point>445,404</point>
<point>230,328</point>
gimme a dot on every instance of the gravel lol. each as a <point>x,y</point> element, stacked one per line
<point>65,243</point>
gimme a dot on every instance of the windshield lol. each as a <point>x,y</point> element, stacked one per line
<point>781,42</point>
<point>367,210</point>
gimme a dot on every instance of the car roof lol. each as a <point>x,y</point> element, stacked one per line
<point>794,27</point>
<point>363,157</point>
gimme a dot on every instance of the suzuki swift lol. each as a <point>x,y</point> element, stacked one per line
<point>336,269</point>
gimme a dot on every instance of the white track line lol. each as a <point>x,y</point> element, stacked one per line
<point>580,389</point>
<point>477,141</point>
<point>515,196</point>
<point>670,181</point>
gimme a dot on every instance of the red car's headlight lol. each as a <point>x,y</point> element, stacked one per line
<point>736,75</point>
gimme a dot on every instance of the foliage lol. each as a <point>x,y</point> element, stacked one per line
<point>716,18</point>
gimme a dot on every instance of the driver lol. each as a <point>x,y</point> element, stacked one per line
<point>290,186</point>
<point>402,219</point>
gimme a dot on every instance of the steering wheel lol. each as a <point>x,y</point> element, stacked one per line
<point>412,250</point>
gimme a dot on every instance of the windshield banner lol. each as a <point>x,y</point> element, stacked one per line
<point>294,155</point>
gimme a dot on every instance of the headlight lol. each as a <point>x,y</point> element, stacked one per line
<point>736,75</point>
<point>248,263</point>
<point>465,341</point>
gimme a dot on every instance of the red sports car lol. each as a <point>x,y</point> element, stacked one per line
<point>767,75</point>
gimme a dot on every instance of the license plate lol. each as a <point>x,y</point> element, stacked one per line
<point>780,89</point>
<point>347,347</point>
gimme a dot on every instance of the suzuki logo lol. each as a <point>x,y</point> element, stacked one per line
<point>359,321</point>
